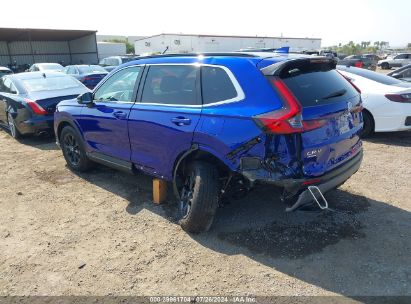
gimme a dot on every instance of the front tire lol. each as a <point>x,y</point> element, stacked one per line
<point>368,128</point>
<point>12,126</point>
<point>199,197</point>
<point>73,150</point>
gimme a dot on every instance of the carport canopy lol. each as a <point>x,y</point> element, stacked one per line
<point>27,34</point>
<point>24,46</point>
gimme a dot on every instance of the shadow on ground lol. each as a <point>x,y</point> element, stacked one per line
<point>359,248</point>
<point>402,139</point>
<point>42,142</point>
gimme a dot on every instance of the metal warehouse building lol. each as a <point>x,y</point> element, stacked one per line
<point>182,43</point>
<point>20,47</point>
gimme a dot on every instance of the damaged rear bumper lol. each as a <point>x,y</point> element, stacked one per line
<point>325,182</point>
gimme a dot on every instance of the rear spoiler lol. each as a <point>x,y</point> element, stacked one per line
<point>282,69</point>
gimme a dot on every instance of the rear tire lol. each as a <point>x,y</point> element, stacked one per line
<point>199,197</point>
<point>12,126</point>
<point>385,66</point>
<point>368,128</point>
<point>73,150</point>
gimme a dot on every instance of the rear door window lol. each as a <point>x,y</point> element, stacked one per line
<point>314,88</point>
<point>171,84</point>
<point>216,85</point>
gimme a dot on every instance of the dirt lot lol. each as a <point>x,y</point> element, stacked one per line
<point>99,234</point>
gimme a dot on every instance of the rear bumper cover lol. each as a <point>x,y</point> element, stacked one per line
<point>325,182</point>
<point>36,125</point>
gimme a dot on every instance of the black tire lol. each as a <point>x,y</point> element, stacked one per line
<point>14,132</point>
<point>73,150</point>
<point>368,128</point>
<point>199,197</point>
<point>385,66</point>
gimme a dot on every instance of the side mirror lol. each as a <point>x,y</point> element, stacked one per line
<point>396,75</point>
<point>85,98</point>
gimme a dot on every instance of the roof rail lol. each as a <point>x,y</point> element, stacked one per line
<point>226,54</point>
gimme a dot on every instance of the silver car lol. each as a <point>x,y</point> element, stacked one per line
<point>396,61</point>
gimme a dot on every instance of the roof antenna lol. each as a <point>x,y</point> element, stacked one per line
<point>44,75</point>
<point>165,50</point>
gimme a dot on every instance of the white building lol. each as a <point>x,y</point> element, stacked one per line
<point>107,49</point>
<point>182,43</point>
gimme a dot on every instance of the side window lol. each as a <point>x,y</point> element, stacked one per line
<point>119,87</point>
<point>216,85</point>
<point>407,73</point>
<point>172,84</point>
<point>402,56</point>
<point>8,86</point>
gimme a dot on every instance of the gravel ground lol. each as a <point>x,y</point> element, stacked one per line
<point>100,234</point>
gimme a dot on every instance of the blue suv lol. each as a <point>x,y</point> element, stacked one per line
<point>215,123</point>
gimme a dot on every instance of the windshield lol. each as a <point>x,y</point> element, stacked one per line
<point>377,77</point>
<point>91,69</point>
<point>50,83</point>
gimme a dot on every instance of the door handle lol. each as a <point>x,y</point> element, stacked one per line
<point>120,115</point>
<point>181,121</point>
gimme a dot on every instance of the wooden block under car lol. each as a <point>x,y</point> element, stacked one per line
<point>159,191</point>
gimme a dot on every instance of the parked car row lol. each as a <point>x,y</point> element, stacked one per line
<point>399,60</point>
<point>366,61</point>
<point>212,124</point>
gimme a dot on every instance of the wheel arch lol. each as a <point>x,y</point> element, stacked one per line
<point>197,153</point>
<point>64,123</point>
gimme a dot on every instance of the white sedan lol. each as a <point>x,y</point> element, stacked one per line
<point>386,100</point>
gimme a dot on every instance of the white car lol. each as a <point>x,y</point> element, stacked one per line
<point>49,67</point>
<point>386,100</point>
<point>396,61</point>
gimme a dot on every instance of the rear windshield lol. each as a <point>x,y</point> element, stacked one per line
<point>91,69</point>
<point>318,87</point>
<point>52,67</point>
<point>50,83</point>
<point>377,77</point>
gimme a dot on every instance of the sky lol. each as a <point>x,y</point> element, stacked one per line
<point>333,21</point>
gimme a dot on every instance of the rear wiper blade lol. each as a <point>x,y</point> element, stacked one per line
<point>335,94</point>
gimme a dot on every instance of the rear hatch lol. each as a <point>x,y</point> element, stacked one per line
<point>327,112</point>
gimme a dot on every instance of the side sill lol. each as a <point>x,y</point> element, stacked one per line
<point>111,162</point>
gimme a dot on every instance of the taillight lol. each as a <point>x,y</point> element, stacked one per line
<point>399,97</point>
<point>35,107</point>
<point>288,119</point>
<point>359,64</point>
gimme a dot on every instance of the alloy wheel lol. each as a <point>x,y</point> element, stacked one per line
<point>12,126</point>
<point>72,149</point>
<point>186,196</point>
